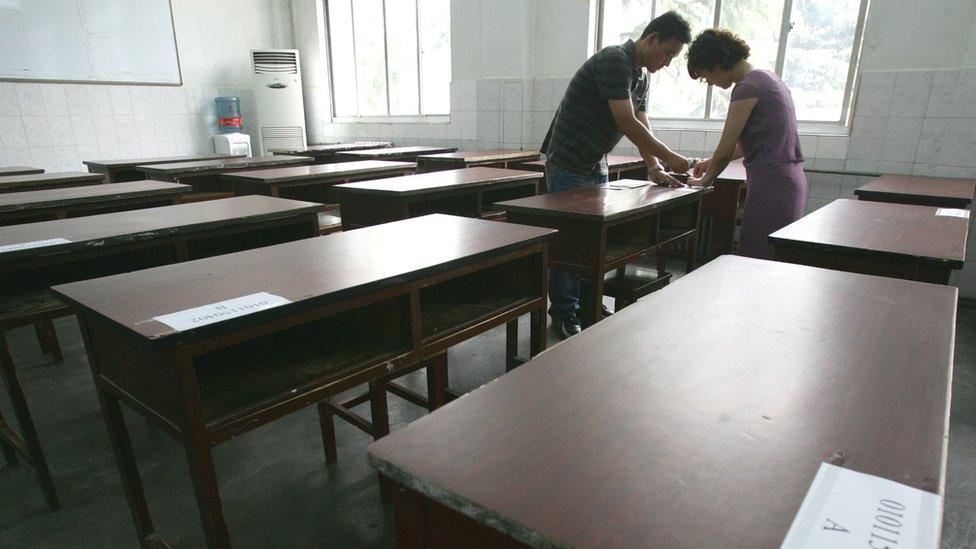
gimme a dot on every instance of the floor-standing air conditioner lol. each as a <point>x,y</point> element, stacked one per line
<point>278,99</point>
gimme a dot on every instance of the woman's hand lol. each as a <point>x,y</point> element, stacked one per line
<point>701,167</point>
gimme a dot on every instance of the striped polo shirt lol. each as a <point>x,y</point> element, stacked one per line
<point>583,130</point>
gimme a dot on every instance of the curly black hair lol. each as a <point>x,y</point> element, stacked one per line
<point>715,48</point>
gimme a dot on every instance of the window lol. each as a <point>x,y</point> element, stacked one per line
<point>816,59</point>
<point>390,58</point>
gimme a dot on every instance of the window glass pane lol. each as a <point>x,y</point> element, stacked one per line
<point>758,22</point>
<point>370,58</point>
<point>818,55</point>
<point>343,58</point>
<point>401,54</point>
<point>673,94</point>
<point>435,56</point>
<point>623,19</point>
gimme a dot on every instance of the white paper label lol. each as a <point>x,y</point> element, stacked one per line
<point>952,212</point>
<point>844,508</point>
<point>620,184</point>
<point>34,244</point>
<point>220,311</point>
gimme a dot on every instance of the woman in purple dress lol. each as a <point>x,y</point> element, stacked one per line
<point>760,126</point>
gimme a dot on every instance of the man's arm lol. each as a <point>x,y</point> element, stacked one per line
<point>655,171</point>
<point>640,135</point>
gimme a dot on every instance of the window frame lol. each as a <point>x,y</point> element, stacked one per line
<point>380,118</point>
<point>707,122</point>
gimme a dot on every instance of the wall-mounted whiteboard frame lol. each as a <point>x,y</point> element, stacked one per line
<point>63,21</point>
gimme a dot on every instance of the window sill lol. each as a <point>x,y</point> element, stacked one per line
<point>805,128</point>
<point>431,119</point>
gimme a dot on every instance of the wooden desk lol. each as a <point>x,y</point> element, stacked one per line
<point>125,170</point>
<point>363,306</point>
<point>470,192</point>
<point>395,153</point>
<point>327,153</point>
<point>50,180</point>
<point>602,229</point>
<point>618,167</point>
<point>722,209</point>
<point>106,244</point>
<point>925,191</point>
<point>315,183</point>
<point>204,175</point>
<point>696,418</point>
<point>896,240</point>
<point>31,206</point>
<point>497,158</point>
<point>6,171</point>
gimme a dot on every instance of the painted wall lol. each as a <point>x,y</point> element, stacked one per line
<point>57,126</point>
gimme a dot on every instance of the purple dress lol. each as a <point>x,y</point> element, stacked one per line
<point>776,185</point>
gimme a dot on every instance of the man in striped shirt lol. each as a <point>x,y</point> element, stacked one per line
<point>605,100</point>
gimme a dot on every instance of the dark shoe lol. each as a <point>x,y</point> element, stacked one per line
<point>567,326</point>
<point>606,312</point>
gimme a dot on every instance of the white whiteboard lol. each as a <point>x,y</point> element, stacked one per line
<point>123,41</point>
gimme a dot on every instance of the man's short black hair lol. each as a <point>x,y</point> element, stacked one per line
<point>667,26</point>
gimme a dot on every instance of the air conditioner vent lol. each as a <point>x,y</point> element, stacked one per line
<point>275,62</point>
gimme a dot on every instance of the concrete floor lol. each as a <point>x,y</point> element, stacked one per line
<point>275,486</point>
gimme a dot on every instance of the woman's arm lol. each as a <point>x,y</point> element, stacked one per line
<point>728,148</point>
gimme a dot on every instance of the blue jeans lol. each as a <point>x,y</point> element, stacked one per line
<point>564,286</point>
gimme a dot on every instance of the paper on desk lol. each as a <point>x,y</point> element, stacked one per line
<point>220,311</point>
<point>952,212</point>
<point>844,508</point>
<point>620,184</point>
<point>33,244</point>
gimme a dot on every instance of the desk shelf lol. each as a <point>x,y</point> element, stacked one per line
<point>490,197</point>
<point>465,205</point>
<point>261,372</point>
<point>451,306</point>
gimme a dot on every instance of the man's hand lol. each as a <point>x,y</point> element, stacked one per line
<point>662,178</point>
<point>697,182</point>
<point>678,163</point>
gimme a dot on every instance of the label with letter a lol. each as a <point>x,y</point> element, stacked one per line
<point>222,310</point>
<point>33,244</point>
<point>844,508</point>
<point>952,212</point>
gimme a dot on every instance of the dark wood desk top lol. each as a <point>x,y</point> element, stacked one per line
<point>600,203</point>
<point>615,163</point>
<point>308,272</point>
<point>18,170</point>
<point>233,163</point>
<point>343,170</point>
<point>395,152</point>
<point>53,198</point>
<point>735,172</point>
<point>132,162</point>
<point>437,181</point>
<point>332,148</point>
<point>121,227</point>
<point>880,228</point>
<point>499,155</point>
<point>700,415</point>
<point>961,190</point>
<point>16,182</point>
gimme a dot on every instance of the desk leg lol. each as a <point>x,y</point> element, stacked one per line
<point>9,453</point>
<point>511,345</point>
<point>125,458</point>
<point>327,426</point>
<point>593,300</point>
<point>379,415</point>
<point>537,332</point>
<point>31,443</point>
<point>48,340</point>
<point>199,458</point>
<point>437,381</point>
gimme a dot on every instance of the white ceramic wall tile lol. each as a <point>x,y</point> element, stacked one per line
<point>934,170</point>
<point>862,166</point>
<point>55,102</point>
<point>942,98</point>
<point>62,134</point>
<point>452,131</point>
<point>825,185</point>
<point>512,127</point>
<point>711,142</point>
<point>9,105</point>
<point>874,93</point>
<point>44,157</point>
<point>121,100</point>
<point>12,132</point>
<point>809,145</point>
<point>959,143</point>
<point>901,139</point>
<point>829,164</point>
<point>489,125</point>
<point>832,147</point>
<point>966,94</point>
<point>67,158</point>
<point>125,127</point>
<point>671,138</point>
<point>814,204</point>
<point>38,132</point>
<point>559,86</point>
<point>512,95</point>
<point>159,101</point>
<point>540,125</point>
<point>455,96</point>
<point>101,102</point>
<point>469,95</point>
<point>30,99</point>
<point>850,184</point>
<point>542,99</point>
<point>177,101</point>
<point>164,128</point>
<point>910,96</point>
<point>867,138</point>
<point>489,95</point>
<point>900,168</point>
<point>692,141</point>
<point>17,156</point>
<point>105,132</point>
<point>77,99</point>
<point>129,150</point>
